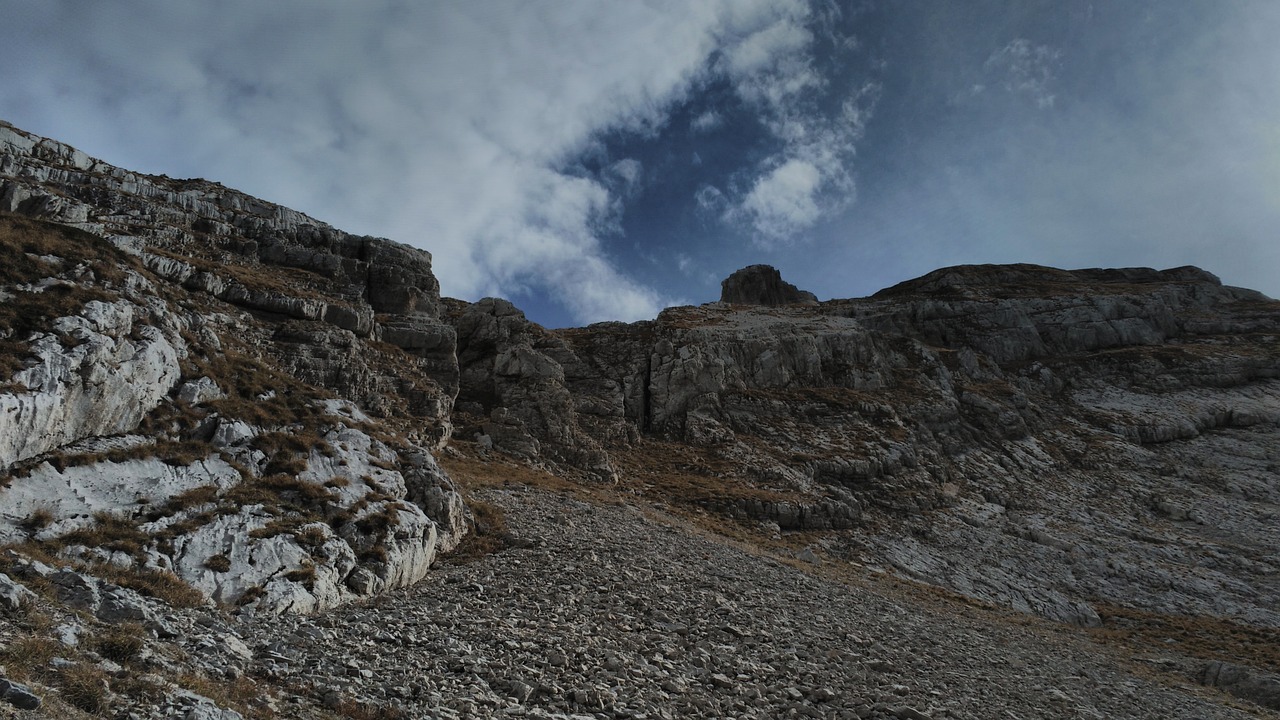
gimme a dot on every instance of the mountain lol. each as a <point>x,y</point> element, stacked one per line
<point>236,443</point>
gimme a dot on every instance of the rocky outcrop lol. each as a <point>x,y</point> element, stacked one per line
<point>520,386</point>
<point>209,394</point>
<point>983,407</point>
<point>1049,440</point>
<point>762,285</point>
<point>97,373</point>
<point>274,262</point>
<point>173,405</point>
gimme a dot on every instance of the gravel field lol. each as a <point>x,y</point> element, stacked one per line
<point>610,612</point>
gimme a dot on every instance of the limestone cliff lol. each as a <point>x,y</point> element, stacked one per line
<point>201,383</point>
<point>1021,434</point>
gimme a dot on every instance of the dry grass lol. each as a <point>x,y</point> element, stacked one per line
<point>85,686</point>
<point>475,473</point>
<point>108,532</point>
<point>121,643</point>
<point>27,656</point>
<point>488,533</point>
<point>257,392</point>
<point>38,520</point>
<point>1207,638</point>
<point>289,443</point>
<point>243,694</point>
<point>22,238</point>
<point>218,563</point>
<point>306,575</point>
<point>311,537</point>
<point>159,584</point>
<point>689,476</point>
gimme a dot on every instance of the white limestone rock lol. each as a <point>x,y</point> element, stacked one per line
<point>198,392</point>
<point>72,497</point>
<point>13,594</point>
<point>103,385</point>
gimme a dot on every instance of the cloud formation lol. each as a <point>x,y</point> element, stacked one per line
<point>808,176</point>
<point>598,159</point>
<point>1022,67</point>
<point>443,125</point>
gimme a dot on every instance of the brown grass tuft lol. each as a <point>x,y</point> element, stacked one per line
<point>38,520</point>
<point>489,533</point>
<point>218,563</point>
<point>160,584</point>
<point>85,686</point>
<point>108,532</point>
<point>121,643</point>
<point>29,655</point>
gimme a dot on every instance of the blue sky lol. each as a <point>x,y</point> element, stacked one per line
<point>601,159</point>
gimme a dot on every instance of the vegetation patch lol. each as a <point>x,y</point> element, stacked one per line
<point>488,533</point>
<point>108,532</point>
<point>258,393</point>
<point>24,243</point>
<point>1207,638</point>
<point>39,519</point>
<point>305,575</point>
<point>218,563</point>
<point>121,643</point>
<point>159,584</point>
<point>28,656</point>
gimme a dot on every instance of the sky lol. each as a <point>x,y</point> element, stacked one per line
<point>602,159</point>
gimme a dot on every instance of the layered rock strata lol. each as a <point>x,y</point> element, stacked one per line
<point>211,386</point>
<point>1068,424</point>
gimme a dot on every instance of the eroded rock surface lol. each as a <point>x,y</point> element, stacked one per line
<point>195,379</point>
<point>762,285</point>
<point>1038,438</point>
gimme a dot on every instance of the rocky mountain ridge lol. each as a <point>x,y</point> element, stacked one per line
<point>222,393</point>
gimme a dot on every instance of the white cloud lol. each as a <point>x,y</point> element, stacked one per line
<point>711,199</point>
<point>707,121</point>
<point>1027,69</point>
<point>808,177</point>
<point>435,124</point>
<point>782,203</point>
<point>624,177</point>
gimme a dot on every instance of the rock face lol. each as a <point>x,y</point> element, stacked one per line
<point>1065,423</point>
<point>115,372</point>
<point>196,379</point>
<point>762,285</point>
<point>200,386</point>
<point>273,262</point>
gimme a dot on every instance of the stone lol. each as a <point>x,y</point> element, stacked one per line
<point>68,397</point>
<point>1243,682</point>
<point>198,392</point>
<point>19,695</point>
<point>13,595</point>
